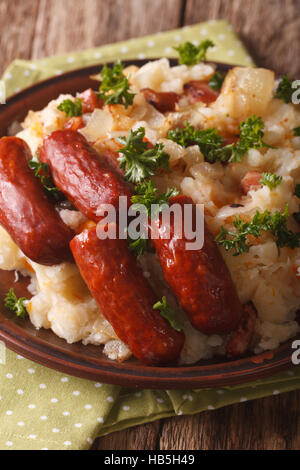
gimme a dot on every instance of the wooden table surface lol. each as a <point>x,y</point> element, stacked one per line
<point>271,31</point>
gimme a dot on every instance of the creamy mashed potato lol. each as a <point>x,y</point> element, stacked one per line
<point>267,275</point>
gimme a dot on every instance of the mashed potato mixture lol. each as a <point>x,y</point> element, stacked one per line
<point>267,275</point>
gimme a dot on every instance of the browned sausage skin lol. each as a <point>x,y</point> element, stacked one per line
<point>199,278</point>
<point>125,298</point>
<point>80,173</point>
<point>25,212</point>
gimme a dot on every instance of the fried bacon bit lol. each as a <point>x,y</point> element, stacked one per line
<point>197,90</point>
<point>74,123</point>
<point>90,101</point>
<point>163,101</point>
<point>240,339</point>
<point>251,181</point>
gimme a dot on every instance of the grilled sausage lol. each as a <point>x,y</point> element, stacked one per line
<point>199,278</point>
<point>240,339</point>
<point>162,101</point>
<point>25,211</point>
<point>79,172</point>
<point>125,298</point>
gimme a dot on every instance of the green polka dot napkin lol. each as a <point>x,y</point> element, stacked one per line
<point>228,48</point>
<point>44,409</point>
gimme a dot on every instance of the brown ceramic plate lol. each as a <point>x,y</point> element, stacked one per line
<point>89,362</point>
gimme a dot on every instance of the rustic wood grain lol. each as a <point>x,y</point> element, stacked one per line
<point>77,24</point>
<point>269,28</point>
<point>144,437</point>
<point>271,31</point>
<point>17,30</point>
<point>268,424</point>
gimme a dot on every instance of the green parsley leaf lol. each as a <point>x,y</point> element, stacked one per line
<point>278,227</point>
<point>271,180</point>
<point>146,195</point>
<point>189,54</point>
<point>41,171</point>
<point>208,140</point>
<point>262,222</point>
<point>35,165</point>
<point>16,305</point>
<point>251,135</point>
<point>114,88</point>
<point>216,80</point>
<point>168,313</point>
<point>297,131</point>
<point>71,108</point>
<point>138,247</point>
<point>284,90</point>
<point>237,240</point>
<point>138,159</point>
<point>211,143</point>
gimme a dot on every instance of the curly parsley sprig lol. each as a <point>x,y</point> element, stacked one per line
<point>71,108</point>
<point>145,199</point>
<point>271,180</point>
<point>275,223</point>
<point>208,140</point>
<point>168,313</point>
<point>251,137</point>
<point>296,131</point>
<point>138,159</point>
<point>114,88</point>
<point>138,247</point>
<point>285,90</point>
<point>211,143</point>
<point>216,80</point>
<point>41,171</point>
<point>146,195</point>
<point>189,54</point>
<point>16,305</point>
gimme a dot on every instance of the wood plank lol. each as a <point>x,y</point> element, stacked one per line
<point>271,423</point>
<point>138,438</point>
<point>17,26</point>
<point>270,28</point>
<point>61,27</point>
<point>268,424</point>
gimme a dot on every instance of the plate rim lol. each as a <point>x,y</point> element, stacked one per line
<point>134,375</point>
